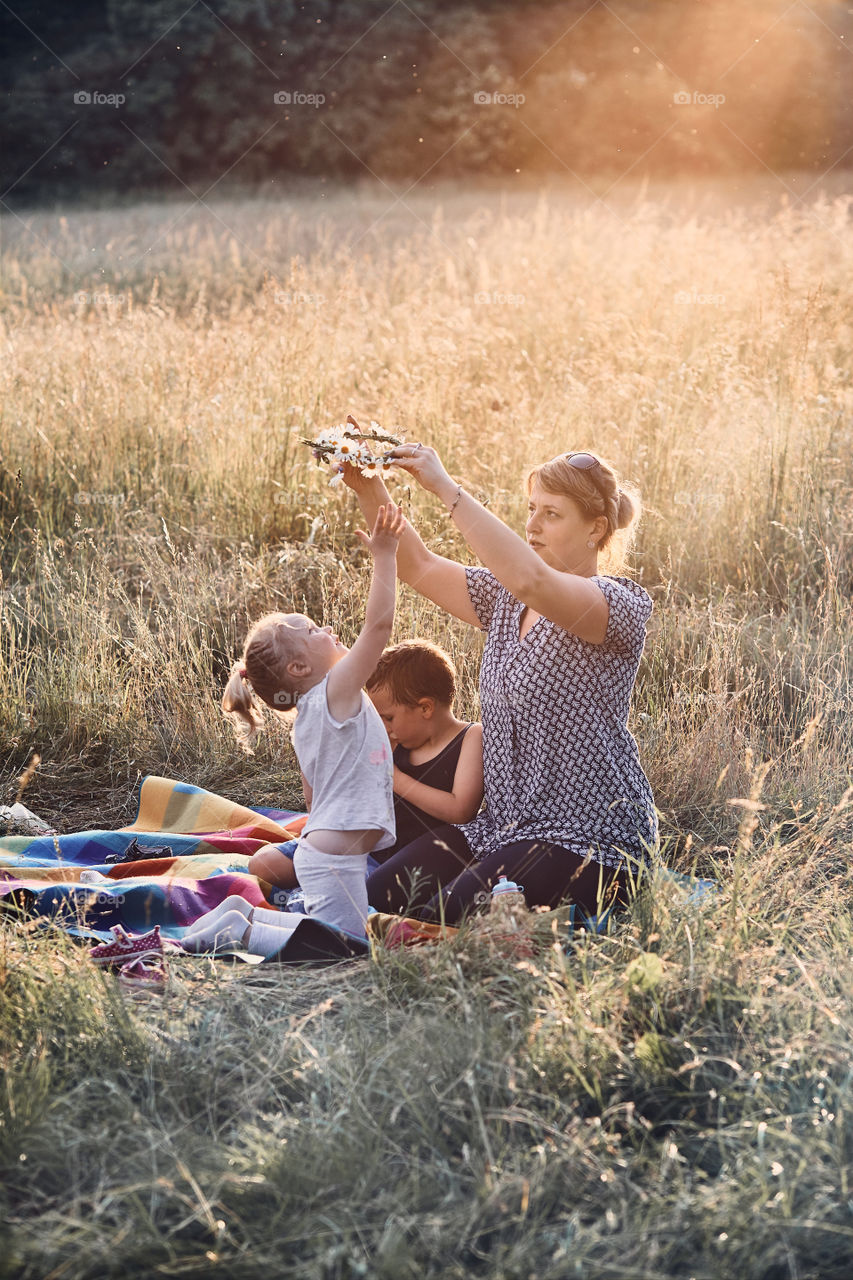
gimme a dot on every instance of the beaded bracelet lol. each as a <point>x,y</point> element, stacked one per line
<point>455,500</point>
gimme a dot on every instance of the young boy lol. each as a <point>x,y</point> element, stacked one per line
<point>438,776</point>
<point>438,759</point>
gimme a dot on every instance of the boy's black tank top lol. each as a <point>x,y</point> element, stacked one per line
<point>439,772</point>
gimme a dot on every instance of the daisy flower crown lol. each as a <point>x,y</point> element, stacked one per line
<point>348,443</point>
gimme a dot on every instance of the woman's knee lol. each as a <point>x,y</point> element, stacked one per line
<point>548,875</point>
<point>551,874</point>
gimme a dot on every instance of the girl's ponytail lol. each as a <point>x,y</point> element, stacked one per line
<point>627,509</point>
<point>238,706</point>
<point>260,678</point>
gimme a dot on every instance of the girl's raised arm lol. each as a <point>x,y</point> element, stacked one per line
<point>347,677</point>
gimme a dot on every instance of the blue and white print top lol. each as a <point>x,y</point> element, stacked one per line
<point>560,763</point>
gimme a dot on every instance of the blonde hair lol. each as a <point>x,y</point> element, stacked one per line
<point>261,673</point>
<point>597,492</point>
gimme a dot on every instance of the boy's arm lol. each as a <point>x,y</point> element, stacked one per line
<point>347,677</point>
<point>463,802</point>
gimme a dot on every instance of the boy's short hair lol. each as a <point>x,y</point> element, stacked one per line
<point>415,669</point>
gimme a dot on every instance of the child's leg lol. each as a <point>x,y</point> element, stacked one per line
<point>243,929</point>
<point>334,885</point>
<point>266,939</point>
<point>408,880</point>
<point>274,866</point>
<point>270,915</point>
<point>233,903</point>
<point>223,933</point>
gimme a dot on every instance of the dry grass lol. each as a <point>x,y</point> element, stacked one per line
<point>155,497</point>
<point>456,1118</point>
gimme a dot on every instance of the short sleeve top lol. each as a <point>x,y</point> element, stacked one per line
<point>560,763</point>
<point>348,765</point>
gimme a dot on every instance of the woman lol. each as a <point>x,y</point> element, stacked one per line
<point>568,810</point>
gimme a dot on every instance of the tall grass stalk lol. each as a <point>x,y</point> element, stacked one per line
<point>671,1098</point>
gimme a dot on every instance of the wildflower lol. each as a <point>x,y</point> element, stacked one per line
<point>348,443</point>
<point>332,437</point>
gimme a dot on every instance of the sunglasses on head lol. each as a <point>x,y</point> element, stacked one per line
<point>587,462</point>
<point>583,461</point>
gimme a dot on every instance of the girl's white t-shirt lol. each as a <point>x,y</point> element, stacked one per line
<point>348,765</point>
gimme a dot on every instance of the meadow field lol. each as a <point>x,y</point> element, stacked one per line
<point>672,1099</point>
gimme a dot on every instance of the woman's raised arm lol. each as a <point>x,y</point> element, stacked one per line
<point>572,601</point>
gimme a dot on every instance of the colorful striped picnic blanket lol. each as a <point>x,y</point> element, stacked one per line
<point>211,840</point>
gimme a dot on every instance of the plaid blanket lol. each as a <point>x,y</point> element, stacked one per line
<point>210,840</point>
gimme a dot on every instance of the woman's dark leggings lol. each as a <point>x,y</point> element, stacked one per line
<point>435,878</point>
<point>413,875</point>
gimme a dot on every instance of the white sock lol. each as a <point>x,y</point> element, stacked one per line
<point>220,934</point>
<point>267,939</point>
<point>269,915</point>
<point>233,903</point>
<point>334,885</point>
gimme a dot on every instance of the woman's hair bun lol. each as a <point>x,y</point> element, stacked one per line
<point>627,509</point>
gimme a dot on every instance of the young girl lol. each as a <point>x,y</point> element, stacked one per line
<point>342,749</point>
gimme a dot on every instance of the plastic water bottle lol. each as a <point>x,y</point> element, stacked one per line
<point>508,921</point>
<point>508,897</point>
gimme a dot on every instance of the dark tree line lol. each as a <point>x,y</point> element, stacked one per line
<point>114,97</point>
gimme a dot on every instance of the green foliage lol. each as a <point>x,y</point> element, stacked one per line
<point>397,85</point>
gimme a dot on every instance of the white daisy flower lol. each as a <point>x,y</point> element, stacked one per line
<point>333,447</point>
<point>332,436</point>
